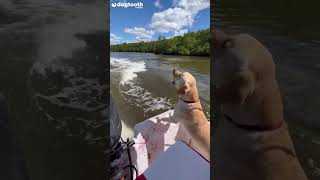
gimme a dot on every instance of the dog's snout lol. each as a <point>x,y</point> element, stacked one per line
<point>173,82</point>
<point>174,71</point>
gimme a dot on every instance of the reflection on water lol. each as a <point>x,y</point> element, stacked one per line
<point>141,83</point>
<point>291,32</point>
<point>53,73</point>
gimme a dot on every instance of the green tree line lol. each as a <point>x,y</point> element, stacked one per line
<point>192,43</point>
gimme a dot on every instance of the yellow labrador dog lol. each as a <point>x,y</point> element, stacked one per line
<point>188,112</point>
<point>251,140</point>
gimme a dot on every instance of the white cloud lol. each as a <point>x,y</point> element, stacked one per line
<point>180,16</point>
<point>157,4</point>
<point>180,32</point>
<point>172,19</point>
<point>191,5</point>
<point>114,38</point>
<point>139,39</point>
<point>140,33</point>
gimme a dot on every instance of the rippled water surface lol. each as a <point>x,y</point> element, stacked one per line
<point>291,32</point>
<point>53,73</point>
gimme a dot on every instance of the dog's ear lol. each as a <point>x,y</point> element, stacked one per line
<point>236,90</point>
<point>221,39</point>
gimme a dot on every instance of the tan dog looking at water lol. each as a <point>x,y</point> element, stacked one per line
<point>251,140</point>
<point>188,112</point>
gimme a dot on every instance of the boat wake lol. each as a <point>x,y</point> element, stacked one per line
<point>125,72</point>
<point>128,69</point>
<point>72,102</point>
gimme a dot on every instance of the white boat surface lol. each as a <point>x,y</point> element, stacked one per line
<point>153,137</point>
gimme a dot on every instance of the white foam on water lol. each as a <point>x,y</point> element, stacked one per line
<point>54,66</point>
<point>140,97</point>
<point>128,69</point>
<point>132,92</point>
<point>72,92</point>
<point>57,39</point>
<point>127,131</point>
<point>80,94</point>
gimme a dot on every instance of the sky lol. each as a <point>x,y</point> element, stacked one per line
<point>167,18</point>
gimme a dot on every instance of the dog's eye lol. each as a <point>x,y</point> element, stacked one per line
<point>227,43</point>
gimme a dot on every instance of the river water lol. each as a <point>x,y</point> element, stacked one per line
<point>53,74</point>
<point>290,31</point>
<point>141,84</point>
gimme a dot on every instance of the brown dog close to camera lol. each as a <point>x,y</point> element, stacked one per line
<point>188,112</point>
<point>251,140</point>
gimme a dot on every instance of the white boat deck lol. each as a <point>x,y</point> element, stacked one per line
<point>153,137</point>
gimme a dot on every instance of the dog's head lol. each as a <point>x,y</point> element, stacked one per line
<point>184,82</point>
<point>241,64</point>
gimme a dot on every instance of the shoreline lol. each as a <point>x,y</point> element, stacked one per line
<point>161,54</point>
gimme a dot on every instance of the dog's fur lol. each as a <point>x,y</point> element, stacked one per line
<point>249,94</point>
<point>188,112</point>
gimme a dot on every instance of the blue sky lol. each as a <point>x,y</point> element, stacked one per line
<point>157,17</point>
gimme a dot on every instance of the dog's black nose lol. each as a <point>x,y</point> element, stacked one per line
<point>172,82</point>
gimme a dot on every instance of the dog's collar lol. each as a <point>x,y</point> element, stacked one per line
<point>188,101</point>
<point>253,127</point>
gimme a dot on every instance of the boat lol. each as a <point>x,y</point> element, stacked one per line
<point>157,144</point>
